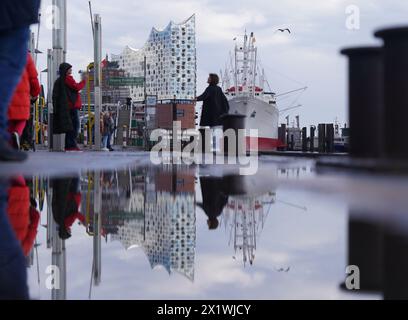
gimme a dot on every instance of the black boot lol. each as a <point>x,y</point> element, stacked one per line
<point>7,153</point>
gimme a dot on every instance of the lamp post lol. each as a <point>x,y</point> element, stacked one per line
<point>55,58</point>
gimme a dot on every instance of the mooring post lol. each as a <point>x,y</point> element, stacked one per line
<point>366,107</point>
<point>395,91</point>
<point>322,138</point>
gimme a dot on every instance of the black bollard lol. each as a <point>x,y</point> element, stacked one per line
<point>396,91</point>
<point>233,185</point>
<point>365,250</point>
<point>205,136</point>
<point>329,138</point>
<point>304,139</point>
<point>282,136</point>
<point>322,138</point>
<point>292,142</point>
<point>235,122</point>
<point>312,138</point>
<point>366,96</point>
<point>395,265</point>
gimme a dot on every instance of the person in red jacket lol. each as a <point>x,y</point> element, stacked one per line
<point>75,104</point>
<point>19,109</point>
<point>23,216</point>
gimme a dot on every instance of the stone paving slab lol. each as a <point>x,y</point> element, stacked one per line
<point>65,163</point>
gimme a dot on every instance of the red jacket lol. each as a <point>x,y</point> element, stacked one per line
<point>70,82</point>
<point>69,221</point>
<point>19,108</point>
<point>23,218</point>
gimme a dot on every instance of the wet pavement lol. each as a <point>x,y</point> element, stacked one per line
<point>114,226</point>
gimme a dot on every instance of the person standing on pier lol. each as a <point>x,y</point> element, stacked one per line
<point>215,103</point>
<point>108,130</point>
<point>15,20</point>
<point>67,103</point>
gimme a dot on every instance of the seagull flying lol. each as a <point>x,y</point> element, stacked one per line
<point>283,30</point>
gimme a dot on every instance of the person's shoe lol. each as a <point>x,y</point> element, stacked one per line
<point>7,153</point>
<point>15,140</point>
<point>111,149</point>
<point>104,149</point>
<point>75,149</point>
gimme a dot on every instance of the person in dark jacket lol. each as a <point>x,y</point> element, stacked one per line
<point>62,119</point>
<point>66,200</point>
<point>15,20</point>
<point>215,103</point>
<point>214,200</point>
<point>75,104</point>
<point>67,102</point>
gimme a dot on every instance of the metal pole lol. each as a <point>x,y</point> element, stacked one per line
<point>31,45</point>
<point>50,219</point>
<point>97,78</point>
<point>31,48</point>
<point>59,45</point>
<point>97,229</point>
<point>50,84</point>
<point>145,131</point>
<point>58,259</point>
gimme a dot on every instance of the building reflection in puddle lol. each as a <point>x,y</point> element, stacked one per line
<point>162,222</point>
<point>155,210</point>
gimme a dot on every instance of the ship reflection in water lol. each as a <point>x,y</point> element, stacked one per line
<point>183,232</point>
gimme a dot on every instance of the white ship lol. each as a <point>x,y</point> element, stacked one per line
<point>245,216</point>
<point>244,85</point>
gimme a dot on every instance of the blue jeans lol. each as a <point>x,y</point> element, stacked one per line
<point>108,145</point>
<point>72,136</point>
<point>13,271</point>
<point>105,141</point>
<point>13,58</point>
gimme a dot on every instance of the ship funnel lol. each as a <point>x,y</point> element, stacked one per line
<point>366,105</point>
<point>395,90</point>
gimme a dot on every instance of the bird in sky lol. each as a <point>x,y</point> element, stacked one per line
<point>283,30</point>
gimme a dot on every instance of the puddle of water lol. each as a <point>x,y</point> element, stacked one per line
<point>177,232</point>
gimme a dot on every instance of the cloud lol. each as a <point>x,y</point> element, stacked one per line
<point>309,55</point>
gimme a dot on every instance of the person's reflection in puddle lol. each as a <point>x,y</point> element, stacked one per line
<point>13,271</point>
<point>65,205</point>
<point>23,216</point>
<point>214,200</point>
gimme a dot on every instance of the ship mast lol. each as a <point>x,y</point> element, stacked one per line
<point>236,70</point>
<point>254,53</point>
<point>246,66</point>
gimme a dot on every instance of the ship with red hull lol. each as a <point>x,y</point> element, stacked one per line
<point>244,85</point>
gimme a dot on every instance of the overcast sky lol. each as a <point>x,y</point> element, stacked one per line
<point>307,57</point>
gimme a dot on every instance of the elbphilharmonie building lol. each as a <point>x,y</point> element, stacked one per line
<point>170,63</point>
